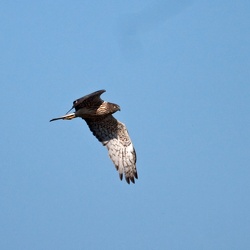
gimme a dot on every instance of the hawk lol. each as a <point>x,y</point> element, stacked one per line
<point>109,131</point>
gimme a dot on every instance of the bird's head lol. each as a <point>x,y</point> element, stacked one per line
<point>113,107</point>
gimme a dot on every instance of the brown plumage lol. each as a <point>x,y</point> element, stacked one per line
<point>109,131</point>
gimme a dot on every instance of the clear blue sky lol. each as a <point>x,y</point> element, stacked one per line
<point>179,71</point>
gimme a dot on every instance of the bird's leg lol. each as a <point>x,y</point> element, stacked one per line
<point>65,117</point>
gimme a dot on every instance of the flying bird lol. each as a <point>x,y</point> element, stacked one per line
<point>109,131</point>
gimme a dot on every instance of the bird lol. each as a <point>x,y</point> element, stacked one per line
<point>113,134</point>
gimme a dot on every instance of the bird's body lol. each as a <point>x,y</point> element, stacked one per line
<point>109,131</point>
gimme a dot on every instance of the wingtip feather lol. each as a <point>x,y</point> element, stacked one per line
<point>132,179</point>
<point>127,180</point>
<point>136,175</point>
<point>121,176</point>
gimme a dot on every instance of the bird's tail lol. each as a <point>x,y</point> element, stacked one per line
<point>64,117</point>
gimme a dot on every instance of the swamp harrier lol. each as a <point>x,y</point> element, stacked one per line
<point>109,131</point>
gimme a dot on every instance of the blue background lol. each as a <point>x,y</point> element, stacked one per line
<point>180,72</point>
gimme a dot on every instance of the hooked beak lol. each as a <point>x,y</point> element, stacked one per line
<point>64,117</point>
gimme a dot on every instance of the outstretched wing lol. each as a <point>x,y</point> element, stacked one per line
<point>89,100</point>
<point>114,135</point>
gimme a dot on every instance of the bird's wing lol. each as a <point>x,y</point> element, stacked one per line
<point>89,100</point>
<point>114,135</point>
